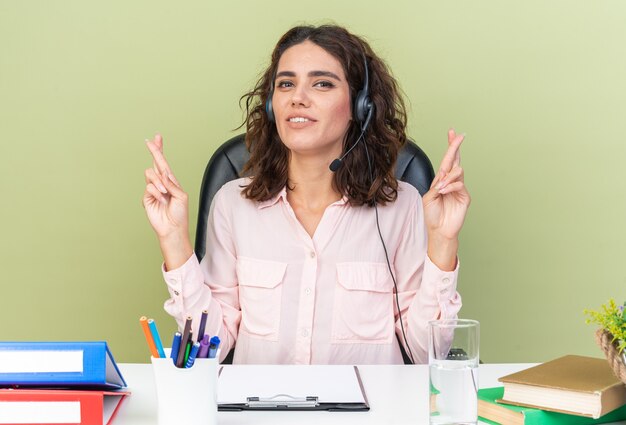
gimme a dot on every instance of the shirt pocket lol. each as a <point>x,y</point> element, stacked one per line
<point>260,296</point>
<point>363,308</point>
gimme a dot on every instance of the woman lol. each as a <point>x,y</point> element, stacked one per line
<point>295,270</point>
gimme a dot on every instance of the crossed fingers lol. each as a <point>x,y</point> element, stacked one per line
<point>159,163</point>
<point>452,158</point>
<point>160,181</point>
<point>450,169</point>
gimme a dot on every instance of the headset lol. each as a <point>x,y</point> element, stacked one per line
<point>363,109</point>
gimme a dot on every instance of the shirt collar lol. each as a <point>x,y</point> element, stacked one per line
<point>283,195</point>
<point>342,201</point>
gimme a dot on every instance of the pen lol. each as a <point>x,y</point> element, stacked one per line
<point>187,351</point>
<point>215,343</point>
<point>202,324</point>
<point>192,355</point>
<point>183,343</point>
<point>175,346</point>
<point>204,348</point>
<point>143,320</point>
<point>156,337</point>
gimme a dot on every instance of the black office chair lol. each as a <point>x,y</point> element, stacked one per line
<point>226,164</point>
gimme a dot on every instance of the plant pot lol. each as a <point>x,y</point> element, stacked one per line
<point>616,360</point>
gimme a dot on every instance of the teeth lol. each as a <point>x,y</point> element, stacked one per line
<point>298,119</point>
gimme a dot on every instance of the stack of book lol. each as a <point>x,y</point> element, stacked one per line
<point>59,382</point>
<point>573,390</point>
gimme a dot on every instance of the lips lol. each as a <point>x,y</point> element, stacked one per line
<point>300,119</point>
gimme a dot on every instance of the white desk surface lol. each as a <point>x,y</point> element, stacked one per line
<point>397,395</point>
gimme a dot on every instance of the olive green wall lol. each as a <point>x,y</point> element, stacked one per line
<point>539,87</point>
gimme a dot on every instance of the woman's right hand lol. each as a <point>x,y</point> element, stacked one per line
<point>167,208</point>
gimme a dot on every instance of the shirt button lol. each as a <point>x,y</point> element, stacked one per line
<point>312,254</point>
<point>176,293</point>
<point>307,291</point>
<point>305,333</point>
<point>446,280</point>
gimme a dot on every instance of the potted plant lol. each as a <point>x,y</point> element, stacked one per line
<point>612,334</point>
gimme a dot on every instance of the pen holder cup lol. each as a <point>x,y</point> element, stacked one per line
<point>186,396</point>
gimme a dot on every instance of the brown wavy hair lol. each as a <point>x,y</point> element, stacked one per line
<point>269,157</point>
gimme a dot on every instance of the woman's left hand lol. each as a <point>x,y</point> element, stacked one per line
<point>445,205</point>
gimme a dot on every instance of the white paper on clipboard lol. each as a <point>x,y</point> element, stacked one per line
<point>332,384</point>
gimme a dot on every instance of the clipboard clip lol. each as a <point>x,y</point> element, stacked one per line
<point>282,401</point>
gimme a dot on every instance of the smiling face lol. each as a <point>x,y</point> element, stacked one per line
<point>311,101</point>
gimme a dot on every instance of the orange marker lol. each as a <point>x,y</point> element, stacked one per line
<point>146,330</point>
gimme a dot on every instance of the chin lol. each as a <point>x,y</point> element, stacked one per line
<point>297,142</point>
<point>308,143</point>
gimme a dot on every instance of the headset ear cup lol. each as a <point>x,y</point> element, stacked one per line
<point>359,106</point>
<point>269,110</point>
<point>362,106</point>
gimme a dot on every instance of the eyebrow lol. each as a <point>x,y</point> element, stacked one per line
<point>310,74</point>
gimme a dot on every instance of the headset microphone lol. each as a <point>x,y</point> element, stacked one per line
<point>363,111</point>
<point>334,166</point>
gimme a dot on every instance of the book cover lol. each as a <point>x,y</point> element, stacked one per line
<point>34,406</point>
<point>571,384</point>
<point>59,364</point>
<point>493,412</point>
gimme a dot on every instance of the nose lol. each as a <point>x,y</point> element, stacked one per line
<point>300,96</point>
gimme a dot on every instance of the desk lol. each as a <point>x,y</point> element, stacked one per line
<point>398,395</point>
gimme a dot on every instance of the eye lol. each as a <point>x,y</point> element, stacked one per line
<point>284,84</point>
<point>324,84</point>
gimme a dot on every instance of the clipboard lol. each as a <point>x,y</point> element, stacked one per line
<point>335,388</point>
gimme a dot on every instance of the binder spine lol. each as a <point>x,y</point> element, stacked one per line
<point>92,372</point>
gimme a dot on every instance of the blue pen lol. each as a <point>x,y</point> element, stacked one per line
<point>192,355</point>
<point>213,346</point>
<point>156,337</point>
<point>176,346</point>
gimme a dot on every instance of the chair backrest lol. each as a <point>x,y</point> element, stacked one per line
<point>413,167</point>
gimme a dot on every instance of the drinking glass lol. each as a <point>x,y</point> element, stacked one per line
<point>453,370</point>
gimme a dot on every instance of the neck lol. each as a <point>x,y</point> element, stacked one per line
<point>312,182</point>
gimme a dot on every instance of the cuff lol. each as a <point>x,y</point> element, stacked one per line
<point>442,284</point>
<point>185,273</point>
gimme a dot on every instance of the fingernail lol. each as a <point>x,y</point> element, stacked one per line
<point>440,186</point>
<point>173,179</point>
<point>162,188</point>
